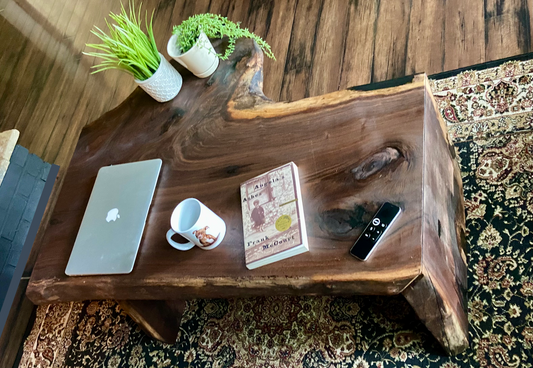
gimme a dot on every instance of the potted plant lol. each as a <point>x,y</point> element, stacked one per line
<point>190,45</point>
<point>130,49</point>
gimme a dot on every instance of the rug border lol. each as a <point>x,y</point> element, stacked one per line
<point>441,75</point>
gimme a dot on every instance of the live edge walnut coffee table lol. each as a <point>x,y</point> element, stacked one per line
<point>354,149</point>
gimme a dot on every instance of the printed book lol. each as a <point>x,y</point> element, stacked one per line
<point>272,216</point>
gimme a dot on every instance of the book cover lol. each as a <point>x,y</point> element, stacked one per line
<point>273,220</point>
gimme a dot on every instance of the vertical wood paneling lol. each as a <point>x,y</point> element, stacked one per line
<point>299,61</point>
<point>523,14</point>
<point>391,39</point>
<point>28,115</point>
<point>111,85</point>
<point>506,28</point>
<point>464,33</point>
<point>320,47</point>
<point>28,63</point>
<point>184,9</point>
<point>44,77</point>
<point>10,81</point>
<point>272,20</point>
<point>329,48</point>
<point>11,16</point>
<point>425,49</point>
<point>221,7</point>
<point>76,69</point>
<point>19,27</point>
<point>530,14</point>
<point>238,12</point>
<point>359,45</point>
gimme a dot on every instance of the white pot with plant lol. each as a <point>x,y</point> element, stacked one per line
<point>190,45</point>
<point>130,49</point>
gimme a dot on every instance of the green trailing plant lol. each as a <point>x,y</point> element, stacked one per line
<point>215,26</point>
<point>127,47</point>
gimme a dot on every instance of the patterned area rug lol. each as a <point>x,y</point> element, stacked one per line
<point>490,120</point>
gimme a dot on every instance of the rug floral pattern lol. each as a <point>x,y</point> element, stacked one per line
<point>490,122</point>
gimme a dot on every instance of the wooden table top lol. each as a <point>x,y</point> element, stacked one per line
<point>354,149</point>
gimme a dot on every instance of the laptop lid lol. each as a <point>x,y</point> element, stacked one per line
<point>114,220</point>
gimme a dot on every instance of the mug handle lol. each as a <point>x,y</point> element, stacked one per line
<point>176,245</point>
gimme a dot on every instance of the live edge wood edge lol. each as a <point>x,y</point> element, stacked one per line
<point>209,136</point>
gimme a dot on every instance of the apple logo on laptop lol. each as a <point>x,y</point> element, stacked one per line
<point>112,215</point>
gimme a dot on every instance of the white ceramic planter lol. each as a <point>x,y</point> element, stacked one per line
<point>164,84</point>
<point>201,59</point>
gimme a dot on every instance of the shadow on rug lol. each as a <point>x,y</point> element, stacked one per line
<point>490,122</point>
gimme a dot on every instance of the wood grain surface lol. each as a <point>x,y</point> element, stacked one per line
<point>47,92</point>
<point>354,149</point>
<point>443,284</point>
<point>217,134</point>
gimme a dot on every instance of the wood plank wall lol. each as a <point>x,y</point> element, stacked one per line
<point>47,92</point>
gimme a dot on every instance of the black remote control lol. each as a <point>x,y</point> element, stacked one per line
<point>374,231</point>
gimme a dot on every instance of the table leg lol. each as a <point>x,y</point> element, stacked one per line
<point>438,295</point>
<point>159,319</point>
<point>442,310</point>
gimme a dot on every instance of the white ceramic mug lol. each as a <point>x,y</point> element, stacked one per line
<point>198,224</point>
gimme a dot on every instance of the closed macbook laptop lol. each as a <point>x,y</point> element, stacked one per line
<point>113,223</point>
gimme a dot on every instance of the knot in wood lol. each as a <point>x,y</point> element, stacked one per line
<point>375,163</point>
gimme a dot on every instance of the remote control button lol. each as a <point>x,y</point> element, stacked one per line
<point>383,225</point>
<point>378,232</point>
<point>367,235</point>
<point>376,221</point>
<point>374,238</point>
<point>371,228</point>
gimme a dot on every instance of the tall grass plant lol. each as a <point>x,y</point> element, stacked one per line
<point>127,47</point>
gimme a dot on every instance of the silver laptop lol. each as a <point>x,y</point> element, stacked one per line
<point>113,223</point>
